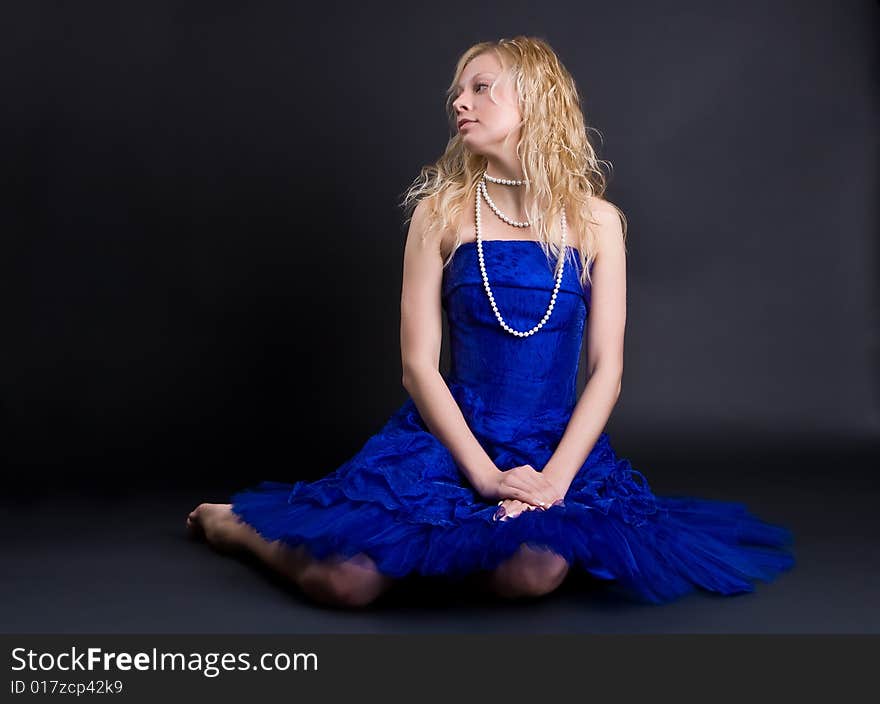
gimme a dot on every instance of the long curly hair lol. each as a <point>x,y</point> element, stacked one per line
<point>554,151</point>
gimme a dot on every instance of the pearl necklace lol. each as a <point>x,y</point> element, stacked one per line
<point>481,190</point>
<point>505,181</point>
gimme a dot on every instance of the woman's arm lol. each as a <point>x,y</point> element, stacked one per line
<point>605,333</point>
<point>421,330</point>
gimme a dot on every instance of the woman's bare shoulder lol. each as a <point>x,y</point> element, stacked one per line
<point>421,226</point>
<point>608,226</point>
<point>603,209</point>
<point>442,237</point>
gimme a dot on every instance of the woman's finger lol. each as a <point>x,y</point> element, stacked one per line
<point>547,493</point>
<point>533,490</point>
<point>506,509</point>
<point>512,508</point>
<point>541,492</point>
<point>529,489</point>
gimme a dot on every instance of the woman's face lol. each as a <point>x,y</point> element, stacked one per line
<point>492,121</point>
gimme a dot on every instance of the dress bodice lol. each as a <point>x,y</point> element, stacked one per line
<point>516,378</point>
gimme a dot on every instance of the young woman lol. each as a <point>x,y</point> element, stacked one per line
<point>496,470</point>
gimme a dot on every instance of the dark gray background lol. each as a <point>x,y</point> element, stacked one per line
<point>202,240</point>
<point>200,280</point>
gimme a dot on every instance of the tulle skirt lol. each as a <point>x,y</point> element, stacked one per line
<point>403,501</point>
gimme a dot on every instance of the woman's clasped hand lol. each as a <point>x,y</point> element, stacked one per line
<point>523,488</point>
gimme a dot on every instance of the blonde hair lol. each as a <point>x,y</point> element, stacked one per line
<point>554,150</point>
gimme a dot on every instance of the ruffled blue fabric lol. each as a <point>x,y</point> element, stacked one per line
<point>403,501</point>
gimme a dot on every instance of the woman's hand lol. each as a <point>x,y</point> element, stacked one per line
<point>523,483</point>
<point>511,508</point>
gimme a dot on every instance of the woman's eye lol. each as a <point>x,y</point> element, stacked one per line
<point>476,89</point>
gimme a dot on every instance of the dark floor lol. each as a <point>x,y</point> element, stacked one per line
<point>80,563</point>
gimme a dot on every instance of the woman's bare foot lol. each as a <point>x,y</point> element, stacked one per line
<point>218,524</point>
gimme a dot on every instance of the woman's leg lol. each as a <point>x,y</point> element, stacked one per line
<point>334,581</point>
<point>528,573</point>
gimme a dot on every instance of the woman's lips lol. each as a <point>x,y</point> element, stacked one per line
<point>466,124</point>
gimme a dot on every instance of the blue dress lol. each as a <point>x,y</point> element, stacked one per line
<point>403,501</point>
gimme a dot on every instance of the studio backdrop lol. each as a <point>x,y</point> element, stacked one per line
<point>202,235</point>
